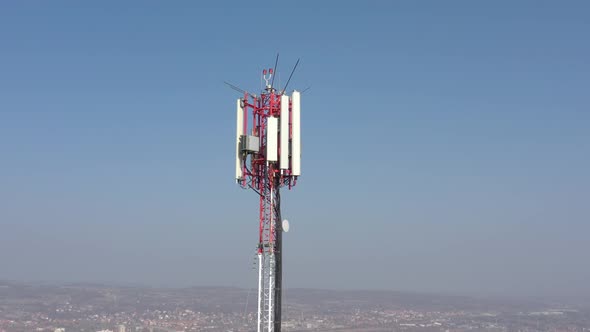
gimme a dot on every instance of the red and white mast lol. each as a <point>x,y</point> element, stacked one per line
<point>268,157</point>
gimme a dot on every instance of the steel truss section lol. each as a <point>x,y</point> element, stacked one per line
<point>266,179</point>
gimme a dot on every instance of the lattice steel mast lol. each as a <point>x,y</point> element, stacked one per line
<point>268,157</point>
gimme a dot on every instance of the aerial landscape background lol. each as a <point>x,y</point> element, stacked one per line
<point>445,147</point>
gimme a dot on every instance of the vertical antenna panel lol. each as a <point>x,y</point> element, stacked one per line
<point>272,130</point>
<point>284,132</point>
<point>239,133</point>
<point>296,138</point>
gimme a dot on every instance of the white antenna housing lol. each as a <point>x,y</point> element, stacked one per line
<point>239,133</point>
<point>296,138</point>
<point>284,163</point>
<point>272,131</point>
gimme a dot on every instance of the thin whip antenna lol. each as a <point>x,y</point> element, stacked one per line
<point>238,89</point>
<point>272,82</point>
<point>292,71</point>
<point>309,87</point>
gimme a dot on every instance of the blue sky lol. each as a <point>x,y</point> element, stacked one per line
<point>446,145</point>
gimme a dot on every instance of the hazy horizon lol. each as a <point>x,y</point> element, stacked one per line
<point>571,299</point>
<point>446,147</point>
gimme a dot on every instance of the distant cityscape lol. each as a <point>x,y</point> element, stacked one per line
<point>99,308</point>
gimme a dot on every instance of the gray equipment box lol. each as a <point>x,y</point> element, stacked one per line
<point>249,144</point>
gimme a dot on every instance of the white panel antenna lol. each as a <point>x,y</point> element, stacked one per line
<point>284,132</point>
<point>272,129</point>
<point>239,133</point>
<point>296,138</point>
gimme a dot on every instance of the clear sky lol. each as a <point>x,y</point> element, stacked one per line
<point>446,144</point>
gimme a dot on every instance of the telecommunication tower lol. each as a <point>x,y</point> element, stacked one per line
<point>268,158</point>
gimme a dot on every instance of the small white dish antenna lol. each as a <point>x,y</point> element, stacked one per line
<point>286,226</point>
